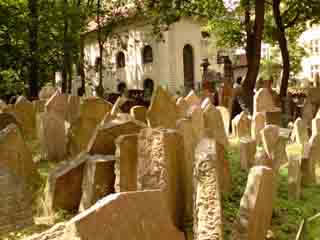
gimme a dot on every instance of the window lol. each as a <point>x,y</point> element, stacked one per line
<point>147,55</point>
<point>121,60</point>
<point>315,70</point>
<point>315,47</point>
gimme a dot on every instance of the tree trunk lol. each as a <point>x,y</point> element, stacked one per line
<point>81,91</point>
<point>100,89</point>
<point>64,86</point>
<point>34,49</point>
<point>283,44</point>
<point>253,53</point>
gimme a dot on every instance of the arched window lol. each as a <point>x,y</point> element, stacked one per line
<point>188,67</point>
<point>121,87</point>
<point>147,55</point>
<point>121,60</point>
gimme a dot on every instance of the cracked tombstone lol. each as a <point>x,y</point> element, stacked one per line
<point>254,217</point>
<point>98,179</point>
<point>159,167</point>
<point>126,163</point>
<point>207,222</point>
<point>163,111</point>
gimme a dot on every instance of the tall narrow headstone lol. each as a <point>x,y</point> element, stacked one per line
<point>241,125</point>
<point>258,123</point>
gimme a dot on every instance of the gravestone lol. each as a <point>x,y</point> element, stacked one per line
<point>140,215</point>
<point>300,132</point>
<point>263,101</point>
<point>15,155</point>
<point>94,108</point>
<point>308,111</point>
<point>98,180</point>
<point>58,105</point>
<point>274,117</point>
<point>254,217</point>
<point>247,152</point>
<point>294,177</point>
<point>46,92</point>
<point>207,223</point>
<point>182,107</point>
<point>3,105</point>
<point>52,134</point>
<point>192,99</point>
<point>241,125</point>
<point>163,111</point>
<point>184,127</point>
<point>159,165</point>
<point>270,140</point>
<point>225,114</point>
<point>198,122</point>
<point>139,113</point>
<point>64,184</point>
<point>126,163</point>
<point>258,123</point>
<point>315,126</point>
<point>103,141</point>
<point>73,108</point>
<point>312,154</point>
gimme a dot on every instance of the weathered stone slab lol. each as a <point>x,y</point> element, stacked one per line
<point>214,125</point>
<point>274,117</point>
<point>94,108</point>
<point>263,101</point>
<point>294,177</point>
<point>198,122</point>
<point>139,113</point>
<point>64,185</point>
<point>25,114</point>
<point>311,159</point>
<point>104,140</point>
<point>258,123</point>
<point>52,133</point>
<point>159,158</point>
<point>130,215</point>
<point>207,222</point>
<point>225,114</point>
<point>256,204</point>
<point>58,104</point>
<point>15,155</point>
<point>241,125</point>
<point>39,106</point>
<point>270,137</point>
<point>126,163</point>
<point>163,111</point>
<point>300,131</point>
<point>248,148</point>
<point>308,111</point>
<point>315,126</point>
<point>184,127</point>
<point>73,108</point>
<point>98,179</point>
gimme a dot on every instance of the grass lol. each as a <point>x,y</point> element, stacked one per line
<point>287,214</point>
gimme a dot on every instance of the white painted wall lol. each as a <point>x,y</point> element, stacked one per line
<point>167,67</point>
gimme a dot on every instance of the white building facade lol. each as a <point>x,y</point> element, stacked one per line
<point>135,59</point>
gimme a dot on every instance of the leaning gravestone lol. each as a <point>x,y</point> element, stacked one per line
<point>207,223</point>
<point>270,139</point>
<point>126,163</point>
<point>254,217</point>
<point>163,111</point>
<point>103,141</point>
<point>294,177</point>
<point>159,158</point>
<point>63,190</point>
<point>98,179</point>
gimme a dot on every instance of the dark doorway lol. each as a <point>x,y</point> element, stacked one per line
<point>148,86</point>
<point>188,67</point>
